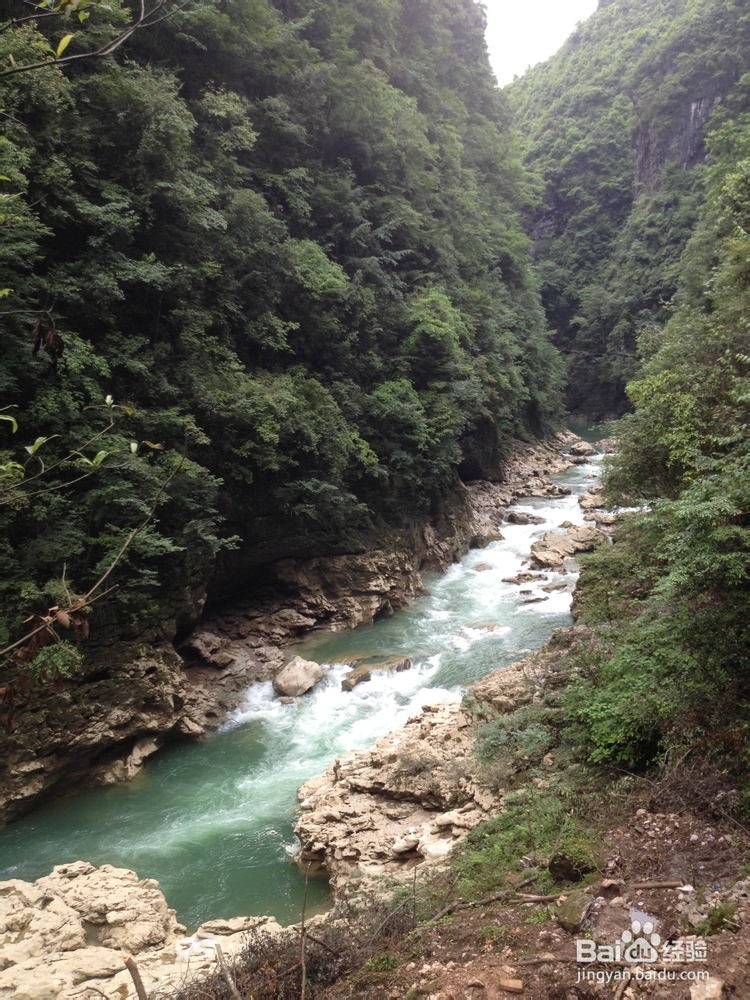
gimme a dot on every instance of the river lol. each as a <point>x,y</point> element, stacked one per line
<point>213,820</point>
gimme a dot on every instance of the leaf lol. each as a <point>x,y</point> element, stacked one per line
<point>134,447</point>
<point>63,618</point>
<point>109,401</point>
<point>32,449</point>
<point>5,292</point>
<point>126,410</point>
<point>64,42</point>
<point>4,178</point>
<point>154,447</point>
<point>99,458</point>
<point>12,420</point>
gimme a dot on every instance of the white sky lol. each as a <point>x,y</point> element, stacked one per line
<point>521,33</point>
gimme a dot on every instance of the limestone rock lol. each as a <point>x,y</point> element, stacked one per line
<point>551,550</point>
<point>581,447</point>
<point>608,445</point>
<point>413,795</point>
<point>297,677</point>
<point>45,977</point>
<point>125,913</point>
<point>65,936</point>
<point>525,578</point>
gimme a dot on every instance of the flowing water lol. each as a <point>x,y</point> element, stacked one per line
<point>213,821</point>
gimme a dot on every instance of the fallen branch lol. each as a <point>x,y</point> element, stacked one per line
<point>226,973</point>
<point>303,941</point>
<point>321,943</point>
<point>538,899</point>
<point>462,904</point>
<point>135,975</point>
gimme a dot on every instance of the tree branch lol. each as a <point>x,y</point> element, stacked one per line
<point>144,21</point>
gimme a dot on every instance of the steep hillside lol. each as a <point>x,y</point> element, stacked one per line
<point>615,124</point>
<point>284,240</point>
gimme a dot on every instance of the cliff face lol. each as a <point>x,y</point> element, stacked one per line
<point>616,123</point>
<point>683,141</point>
<point>101,729</point>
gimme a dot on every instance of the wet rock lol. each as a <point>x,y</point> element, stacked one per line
<point>364,672</point>
<point>127,768</point>
<point>525,578</point>
<point>521,517</point>
<point>297,677</point>
<point>483,567</point>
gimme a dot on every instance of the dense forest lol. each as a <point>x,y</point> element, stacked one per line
<point>640,130</point>
<point>263,267</point>
<point>614,125</point>
<point>276,275</point>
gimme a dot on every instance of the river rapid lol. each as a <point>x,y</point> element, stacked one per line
<point>213,820</point>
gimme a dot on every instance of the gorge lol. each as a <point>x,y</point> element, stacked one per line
<point>301,570</point>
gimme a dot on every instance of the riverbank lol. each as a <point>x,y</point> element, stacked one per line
<point>102,728</point>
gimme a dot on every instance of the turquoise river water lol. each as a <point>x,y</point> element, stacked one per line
<point>213,821</point>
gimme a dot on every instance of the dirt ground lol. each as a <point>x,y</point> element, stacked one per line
<point>501,950</point>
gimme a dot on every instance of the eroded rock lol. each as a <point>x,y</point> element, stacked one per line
<point>298,677</point>
<point>554,548</point>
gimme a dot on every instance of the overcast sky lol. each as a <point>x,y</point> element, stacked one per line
<point>521,33</point>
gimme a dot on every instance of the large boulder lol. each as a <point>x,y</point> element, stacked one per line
<point>554,548</point>
<point>582,448</point>
<point>297,677</point>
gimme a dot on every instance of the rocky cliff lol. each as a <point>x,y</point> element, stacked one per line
<point>67,936</point>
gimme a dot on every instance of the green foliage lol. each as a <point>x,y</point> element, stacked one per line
<point>287,238</point>
<point>670,598</point>
<point>526,735</point>
<point>615,124</point>
<point>720,918</point>
<point>59,660</point>
<point>523,838</point>
<point>381,963</point>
